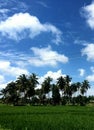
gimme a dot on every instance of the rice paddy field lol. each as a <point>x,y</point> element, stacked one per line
<point>46,118</point>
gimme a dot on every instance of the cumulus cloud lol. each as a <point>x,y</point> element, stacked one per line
<point>92,68</point>
<point>90,91</point>
<point>53,75</point>
<point>88,13</point>
<point>88,51</point>
<point>2,85</point>
<point>21,25</point>
<point>82,72</point>
<point>90,78</point>
<point>46,56</point>
<point>7,69</point>
<point>2,79</point>
<point>38,57</point>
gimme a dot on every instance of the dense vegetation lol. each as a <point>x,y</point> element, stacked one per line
<point>24,91</point>
<point>46,118</point>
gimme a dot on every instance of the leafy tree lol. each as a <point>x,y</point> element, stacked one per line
<point>3,93</point>
<point>55,94</point>
<point>10,94</point>
<point>82,100</point>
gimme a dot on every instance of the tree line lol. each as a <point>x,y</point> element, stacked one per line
<point>25,91</point>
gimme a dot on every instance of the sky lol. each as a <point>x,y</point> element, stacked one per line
<point>47,37</point>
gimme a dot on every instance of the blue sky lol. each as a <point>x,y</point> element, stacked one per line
<point>47,37</point>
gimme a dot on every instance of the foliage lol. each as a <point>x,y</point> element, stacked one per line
<point>24,91</point>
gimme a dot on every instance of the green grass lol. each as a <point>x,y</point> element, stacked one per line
<point>46,118</point>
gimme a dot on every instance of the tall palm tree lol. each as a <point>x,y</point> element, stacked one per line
<point>78,87</point>
<point>22,84</point>
<point>67,90</point>
<point>73,88</point>
<point>33,81</point>
<point>61,84</point>
<point>68,80</point>
<point>85,86</point>
<point>46,85</point>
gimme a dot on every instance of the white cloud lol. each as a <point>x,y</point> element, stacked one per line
<point>90,78</point>
<point>88,13</point>
<point>39,57</point>
<point>3,11</point>
<point>80,42</point>
<point>89,52</point>
<point>7,69</point>
<point>10,4</point>
<point>3,85</point>
<point>22,25</point>
<point>90,91</point>
<point>2,79</point>
<point>53,75</point>
<point>92,69</point>
<point>46,56</point>
<point>42,4</point>
<point>82,72</point>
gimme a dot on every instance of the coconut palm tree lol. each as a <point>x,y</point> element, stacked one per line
<point>73,88</point>
<point>68,90</point>
<point>46,85</point>
<point>78,87</point>
<point>84,87</point>
<point>33,81</point>
<point>22,85</point>
<point>61,84</point>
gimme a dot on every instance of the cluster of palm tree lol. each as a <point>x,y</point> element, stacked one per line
<point>25,90</point>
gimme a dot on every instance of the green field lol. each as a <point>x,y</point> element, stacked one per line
<point>46,118</point>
